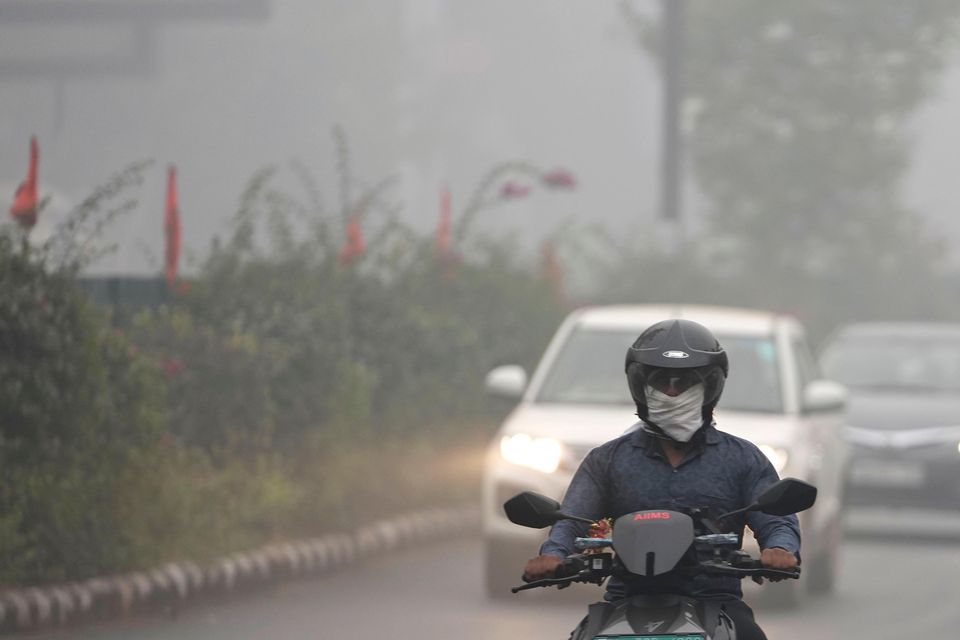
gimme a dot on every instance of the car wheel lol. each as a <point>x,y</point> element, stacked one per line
<point>784,595</point>
<point>821,576</point>
<point>503,565</point>
<point>822,573</point>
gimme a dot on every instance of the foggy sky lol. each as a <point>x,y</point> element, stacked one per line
<point>433,92</point>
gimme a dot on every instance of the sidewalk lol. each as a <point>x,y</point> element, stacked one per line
<point>177,585</point>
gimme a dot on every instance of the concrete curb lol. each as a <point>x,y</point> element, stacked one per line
<point>174,585</point>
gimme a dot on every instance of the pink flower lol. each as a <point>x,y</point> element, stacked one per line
<point>513,190</point>
<point>560,179</point>
<point>172,366</point>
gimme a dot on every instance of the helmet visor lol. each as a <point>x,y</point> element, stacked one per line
<point>672,381</point>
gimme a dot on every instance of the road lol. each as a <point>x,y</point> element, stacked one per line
<point>890,588</point>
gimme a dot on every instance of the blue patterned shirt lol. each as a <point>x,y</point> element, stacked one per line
<point>631,473</point>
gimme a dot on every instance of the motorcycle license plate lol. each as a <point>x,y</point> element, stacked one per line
<point>669,636</point>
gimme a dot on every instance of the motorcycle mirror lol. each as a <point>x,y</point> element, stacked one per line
<point>787,496</point>
<point>529,509</point>
<point>782,498</point>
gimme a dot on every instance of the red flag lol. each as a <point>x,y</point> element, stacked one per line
<point>171,227</point>
<point>353,246</point>
<point>24,207</point>
<point>443,226</point>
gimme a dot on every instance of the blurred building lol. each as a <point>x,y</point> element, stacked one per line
<point>426,91</point>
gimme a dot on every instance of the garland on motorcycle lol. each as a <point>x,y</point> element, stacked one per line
<point>659,543</point>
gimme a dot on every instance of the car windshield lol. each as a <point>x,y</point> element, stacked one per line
<point>589,370</point>
<point>894,362</point>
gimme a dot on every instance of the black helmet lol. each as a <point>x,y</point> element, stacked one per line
<point>681,352</point>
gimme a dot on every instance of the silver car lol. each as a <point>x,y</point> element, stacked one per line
<point>903,411</point>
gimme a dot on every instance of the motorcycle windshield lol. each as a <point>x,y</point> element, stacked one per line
<point>650,543</point>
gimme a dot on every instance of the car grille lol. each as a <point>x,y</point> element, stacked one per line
<point>904,471</point>
<point>900,439</point>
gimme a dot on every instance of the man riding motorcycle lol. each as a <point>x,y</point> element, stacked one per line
<point>675,458</point>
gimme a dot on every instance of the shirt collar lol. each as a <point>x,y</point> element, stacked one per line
<point>707,435</point>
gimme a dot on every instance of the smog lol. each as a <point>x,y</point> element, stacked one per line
<point>291,299</point>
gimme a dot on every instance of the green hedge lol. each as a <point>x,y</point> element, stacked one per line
<point>77,407</point>
<point>252,407</point>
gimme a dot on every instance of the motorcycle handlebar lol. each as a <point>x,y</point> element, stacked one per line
<point>572,570</point>
<point>757,570</point>
<point>545,582</point>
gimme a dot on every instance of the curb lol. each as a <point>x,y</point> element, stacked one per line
<point>175,585</point>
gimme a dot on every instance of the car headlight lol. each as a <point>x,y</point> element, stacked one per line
<point>777,455</point>
<point>542,454</point>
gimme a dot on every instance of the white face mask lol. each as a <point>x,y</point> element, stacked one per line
<point>678,416</point>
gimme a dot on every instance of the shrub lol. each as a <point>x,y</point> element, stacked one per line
<point>76,407</point>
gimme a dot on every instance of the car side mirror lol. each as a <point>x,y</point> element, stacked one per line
<point>507,381</point>
<point>824,395</point>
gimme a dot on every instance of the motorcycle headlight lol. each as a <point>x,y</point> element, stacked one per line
<point>777,455</point>
<point>542,454</point>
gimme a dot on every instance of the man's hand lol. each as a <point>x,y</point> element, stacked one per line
<point>777,558</point>
<point>540,567</point>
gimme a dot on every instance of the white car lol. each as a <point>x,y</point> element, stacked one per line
<point>578,398</point>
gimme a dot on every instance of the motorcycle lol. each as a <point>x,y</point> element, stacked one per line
<point>652,543</point>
